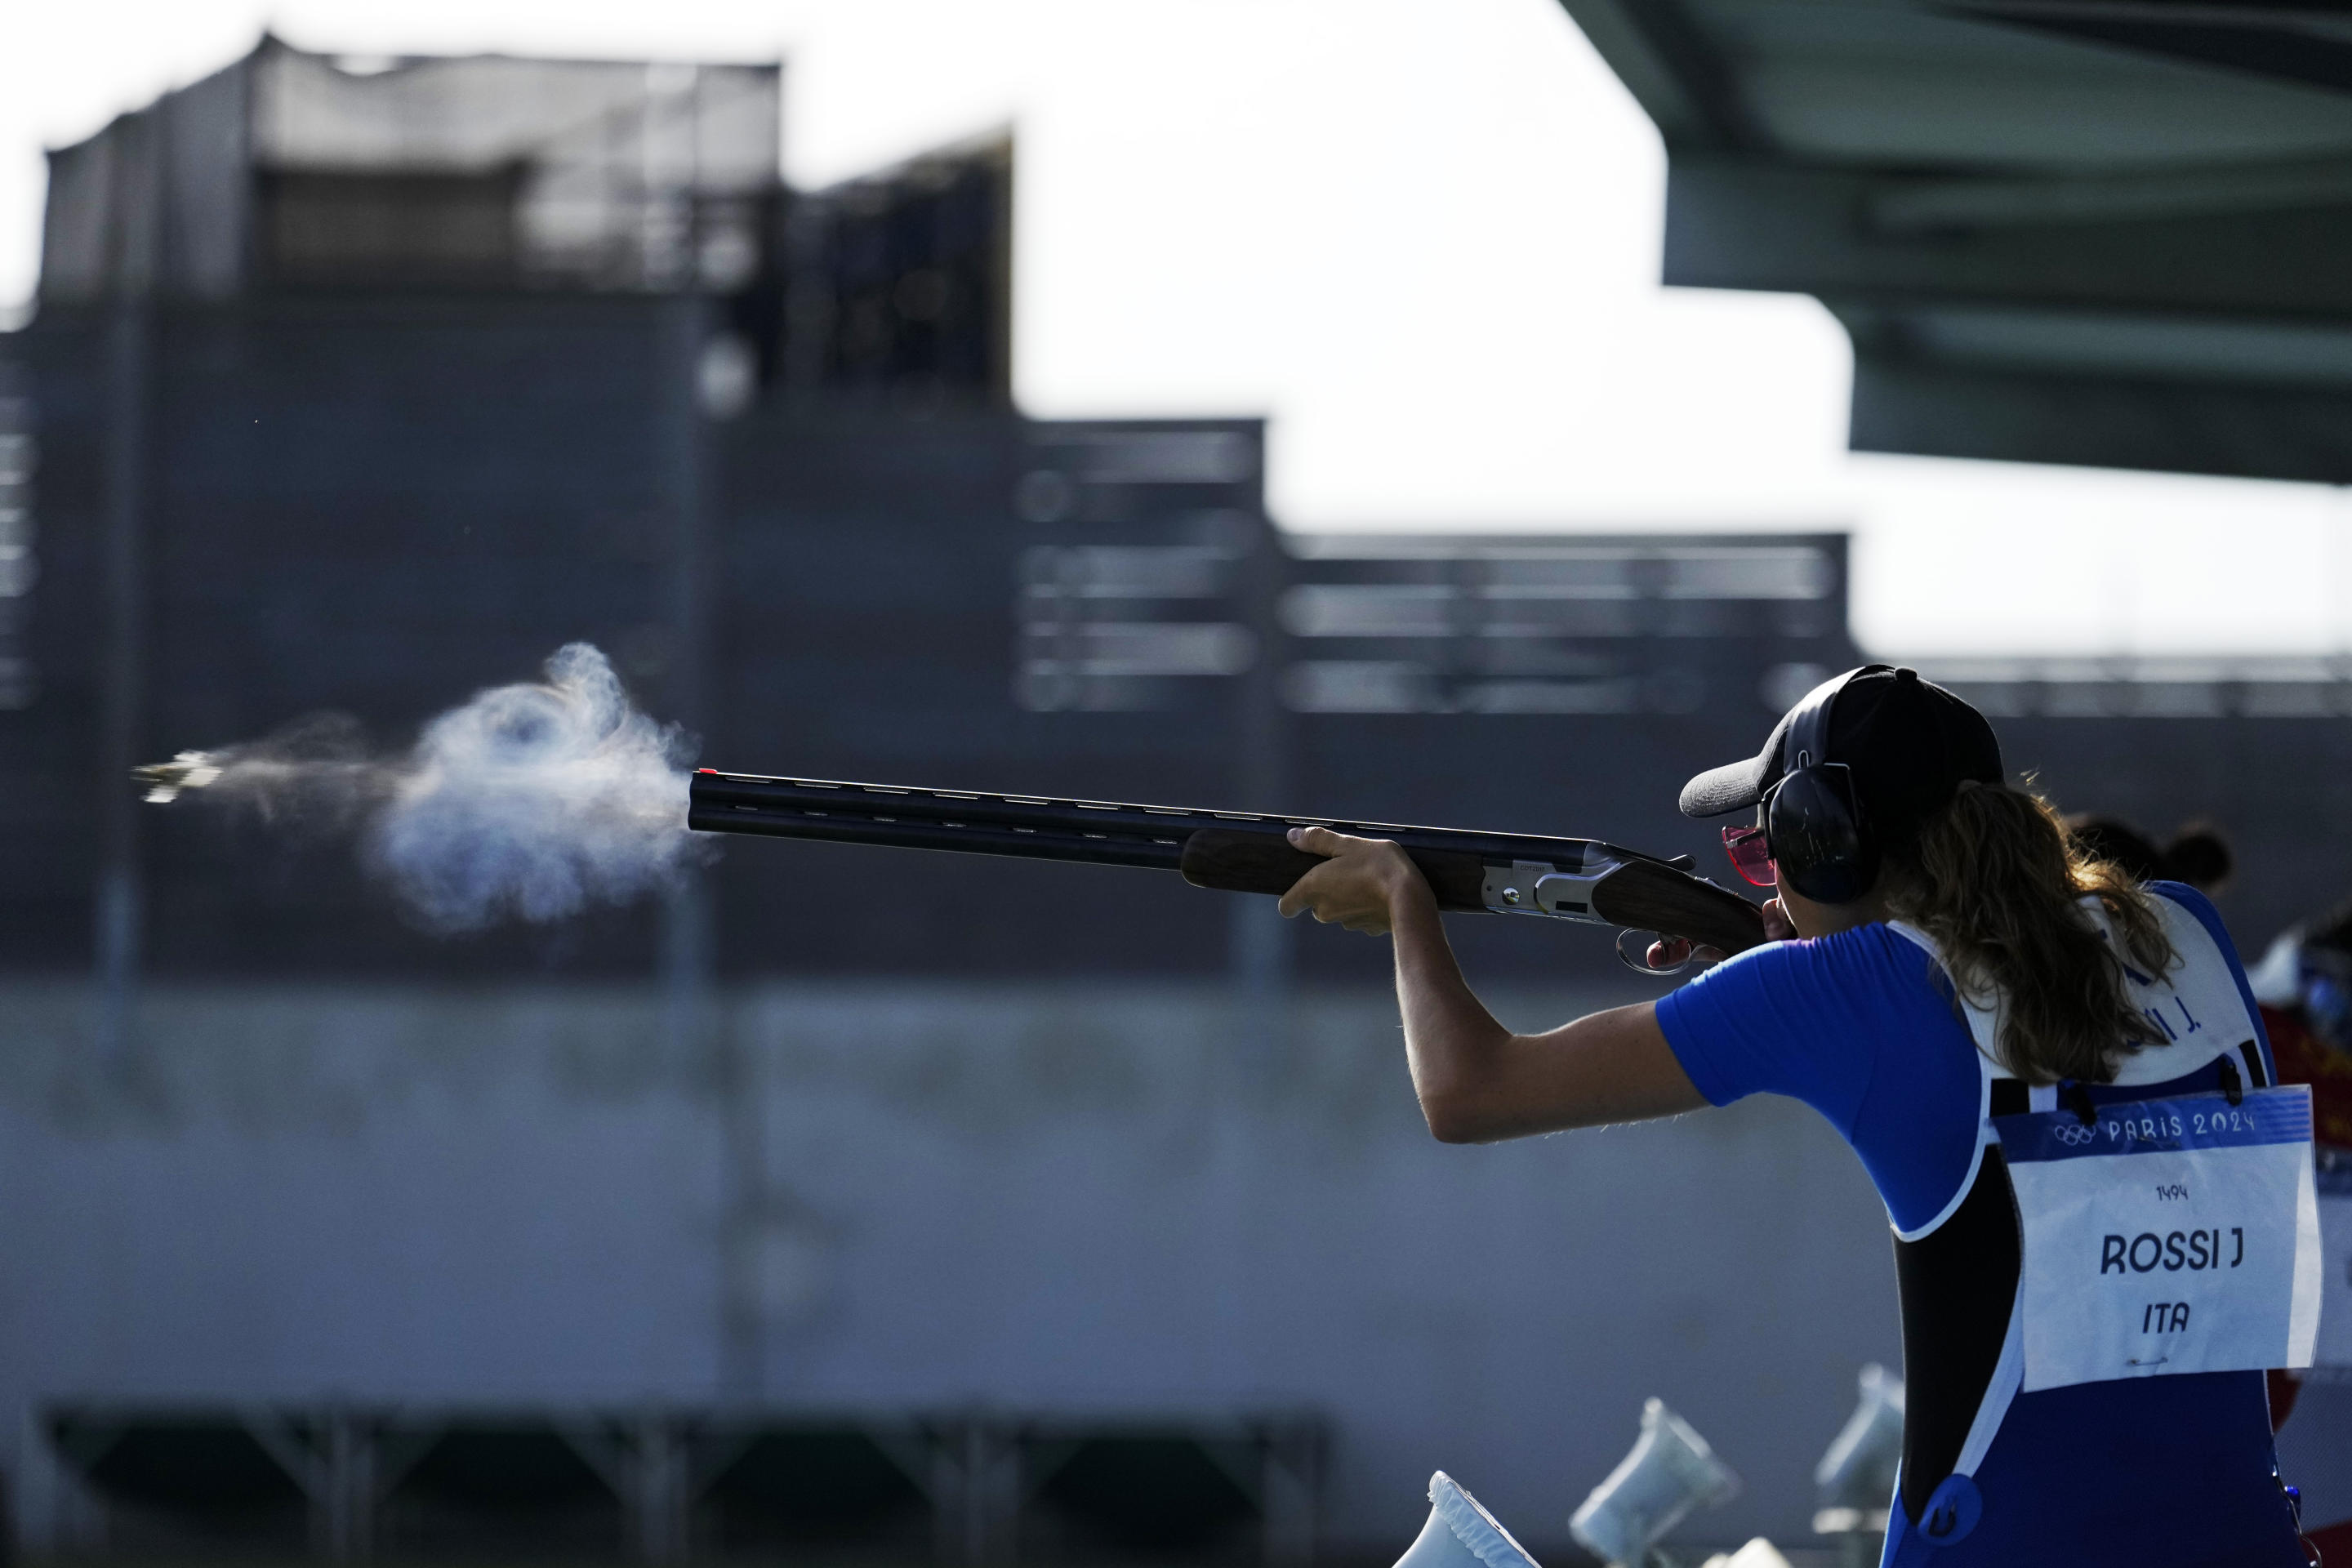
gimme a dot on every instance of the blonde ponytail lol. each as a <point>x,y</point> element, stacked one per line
<point>1995,879</point>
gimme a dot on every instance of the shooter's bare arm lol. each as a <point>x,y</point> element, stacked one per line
<point>1477,1081</point>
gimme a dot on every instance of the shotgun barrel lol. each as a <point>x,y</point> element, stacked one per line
<point>1581,879</point>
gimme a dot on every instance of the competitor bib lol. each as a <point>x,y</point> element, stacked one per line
<point>2168,1235</point>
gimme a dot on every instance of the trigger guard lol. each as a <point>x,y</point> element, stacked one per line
<point>1639,963</point>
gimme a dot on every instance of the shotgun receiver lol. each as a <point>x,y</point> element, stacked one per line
<point>1495,873</point>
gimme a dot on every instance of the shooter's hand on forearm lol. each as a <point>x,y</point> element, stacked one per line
<point>1358,887</point>
<point>1669,952</point>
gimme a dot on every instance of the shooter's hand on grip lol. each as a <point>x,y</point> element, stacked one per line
<point>1673,952</point>
<point>1357,886</point>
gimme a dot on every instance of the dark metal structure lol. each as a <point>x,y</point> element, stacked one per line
<point>356,385</point>
<point>2082,231</point>
<point>962,1488</point>
<point>271,447</point>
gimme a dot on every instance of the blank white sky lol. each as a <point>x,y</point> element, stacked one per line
<point>1420,234</point>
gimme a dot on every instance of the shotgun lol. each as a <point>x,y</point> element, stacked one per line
<point>1244,852</point>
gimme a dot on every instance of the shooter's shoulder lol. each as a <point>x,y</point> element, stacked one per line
<point>1868,955</point>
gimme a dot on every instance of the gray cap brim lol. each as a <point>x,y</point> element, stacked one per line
<point>1736,786</point>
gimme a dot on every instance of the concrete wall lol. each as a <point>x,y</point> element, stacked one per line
<point>1073,1200</point>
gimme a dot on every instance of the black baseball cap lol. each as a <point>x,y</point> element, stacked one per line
<point>1907,743</point>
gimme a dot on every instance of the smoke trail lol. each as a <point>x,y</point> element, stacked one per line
<point>527,802</point>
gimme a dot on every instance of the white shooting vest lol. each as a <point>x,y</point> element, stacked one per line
<point>2176,1234</point>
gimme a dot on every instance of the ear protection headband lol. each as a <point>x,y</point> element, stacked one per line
<point>1822,843</point>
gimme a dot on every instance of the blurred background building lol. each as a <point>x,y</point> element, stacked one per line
<point>847,1202</point>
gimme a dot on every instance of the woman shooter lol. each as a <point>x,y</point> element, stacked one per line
<point>2056,1076</point>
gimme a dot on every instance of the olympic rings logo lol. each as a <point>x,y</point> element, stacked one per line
<point>2074,1133</point>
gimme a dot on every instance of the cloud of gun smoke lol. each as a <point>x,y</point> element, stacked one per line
<point>529,802</point>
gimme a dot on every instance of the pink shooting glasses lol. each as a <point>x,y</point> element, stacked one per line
<point>1751,855</point>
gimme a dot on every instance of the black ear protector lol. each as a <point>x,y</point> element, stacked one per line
<point>1822,843</point>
